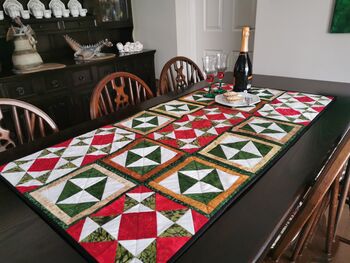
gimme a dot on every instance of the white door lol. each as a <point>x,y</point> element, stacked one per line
<point>205,27</point>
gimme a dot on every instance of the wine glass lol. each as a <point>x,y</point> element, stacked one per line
<point>221,67</point>
<point>209,67</point>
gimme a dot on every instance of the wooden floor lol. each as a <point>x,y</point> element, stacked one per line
<point>314,253</point>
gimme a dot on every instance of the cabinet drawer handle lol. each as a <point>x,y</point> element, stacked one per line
<point>20,91</point>
<point>81,77</point>
<point>55,83</point>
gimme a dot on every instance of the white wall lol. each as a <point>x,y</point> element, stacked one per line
<point>292,40</point>
<point>155,27</point>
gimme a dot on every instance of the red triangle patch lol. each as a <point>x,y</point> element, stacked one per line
<point>141,189</point>
<point>198,220</point>
<point>24,189</point>
<point>91,158</point>
<point>63,144</point>
<point>318,109</point>
<point>115,208</point>
<point>75,230</point>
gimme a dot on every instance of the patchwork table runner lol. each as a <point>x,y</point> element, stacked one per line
<point>140,189</point>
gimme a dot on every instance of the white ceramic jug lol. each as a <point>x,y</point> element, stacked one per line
<point>25,55</point>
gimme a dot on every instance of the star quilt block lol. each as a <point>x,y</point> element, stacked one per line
<point>295,107</point>
<point>265,94</point>
<point>198,97</point>
<point>196,130</point>
<point>177,108</point>
<point>273,130</point>
<point>245,153</point>
<point>145,122</point>
<point>81,192</point>
<point>200,184</point>
<point>143,158</point>
<point>52,163</point>
<point>140,226</point>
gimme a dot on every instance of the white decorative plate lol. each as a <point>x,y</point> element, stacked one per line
<point>32,3</point>
<point>74,3</point>
<point>56,3</point>
<point>247,100</point>
<point>12,4</point>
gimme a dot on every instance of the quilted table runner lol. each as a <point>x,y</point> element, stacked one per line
<point>144,188</point>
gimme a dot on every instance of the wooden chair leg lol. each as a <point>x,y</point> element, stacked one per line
<point>303,235</point>
<point>310,227</point>
<point>332,216</point>
<point>343,196</point>
<point>319,212</point>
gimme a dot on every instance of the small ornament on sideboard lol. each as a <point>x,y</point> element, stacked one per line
<point>130,47</point>
<point>25,57</point>
<point>89,52</point>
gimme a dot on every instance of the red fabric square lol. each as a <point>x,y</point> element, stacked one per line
<point>102,139</point>
<point>43,164</point>
<point>185,134</point>
<point>138,226</point>
<point>305,99</point>
<point>164,204</point>
<point>201,124</point>
<point>168,246</point>
<point>103,252</point>
<point>287,112</point>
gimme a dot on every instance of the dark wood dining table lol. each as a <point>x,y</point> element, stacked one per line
<point>243,233</point>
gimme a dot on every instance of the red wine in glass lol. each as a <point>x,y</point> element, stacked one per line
<point>210,78</point>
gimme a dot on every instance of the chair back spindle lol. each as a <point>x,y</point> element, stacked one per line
<point>177,74</point>
<point>28,123</point>
<point>117,91</point>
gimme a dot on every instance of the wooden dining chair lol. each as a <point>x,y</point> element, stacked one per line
<point>116,91</point>
<point>178,73</point>
<point>322,194</point>
<point>28,123</point>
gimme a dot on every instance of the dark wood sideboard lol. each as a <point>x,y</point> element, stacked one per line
<point>65,93</point>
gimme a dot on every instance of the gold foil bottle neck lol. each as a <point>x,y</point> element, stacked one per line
<point>245,38</point>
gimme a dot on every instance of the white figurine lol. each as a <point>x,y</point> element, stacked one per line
<point>130,47</point>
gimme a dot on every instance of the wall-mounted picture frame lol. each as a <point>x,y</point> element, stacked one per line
<point>341,17</point>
